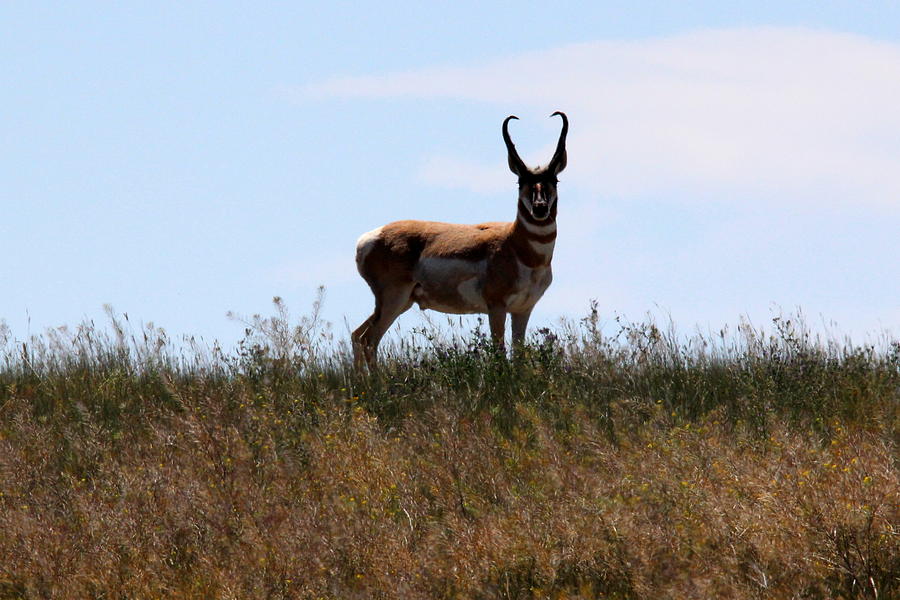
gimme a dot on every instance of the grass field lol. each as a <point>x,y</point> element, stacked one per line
<point>639,464</point>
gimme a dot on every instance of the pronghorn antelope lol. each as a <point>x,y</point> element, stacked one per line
<point>493,268</point>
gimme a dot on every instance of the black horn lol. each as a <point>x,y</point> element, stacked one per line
<point>516,165</point>
<point>558,163</point>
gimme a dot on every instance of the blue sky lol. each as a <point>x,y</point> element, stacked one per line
<point>179,161</point>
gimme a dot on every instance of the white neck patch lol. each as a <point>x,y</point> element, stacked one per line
<point>537,229</point>
<point>544,249</point>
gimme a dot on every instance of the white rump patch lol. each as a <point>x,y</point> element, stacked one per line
<point>364,245</point>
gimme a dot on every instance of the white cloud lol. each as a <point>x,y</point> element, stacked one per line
<point>794,132</point>
<point>780,114</point>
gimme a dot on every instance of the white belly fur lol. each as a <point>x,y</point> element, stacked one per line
<point>456,286</point>
<point>451,285</point>
<point>531,285</point>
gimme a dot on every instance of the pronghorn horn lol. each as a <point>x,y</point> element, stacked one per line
<point>516,165</point>
<point>558,163</point>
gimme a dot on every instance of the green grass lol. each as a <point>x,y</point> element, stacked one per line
<point>640,464</point>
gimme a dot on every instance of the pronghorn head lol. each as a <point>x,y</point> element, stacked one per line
<point>537,187</point>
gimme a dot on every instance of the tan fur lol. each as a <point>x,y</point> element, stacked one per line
<point>493,268</point>
<point>391,268</point>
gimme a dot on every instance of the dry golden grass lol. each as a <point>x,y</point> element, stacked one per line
<point>275,482</point>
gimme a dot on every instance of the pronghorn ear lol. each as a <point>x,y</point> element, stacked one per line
<point>558,163</point>
<point>516,165</point>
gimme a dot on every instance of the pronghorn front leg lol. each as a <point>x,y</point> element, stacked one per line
<point>497,322</point>
<point>519,325</point>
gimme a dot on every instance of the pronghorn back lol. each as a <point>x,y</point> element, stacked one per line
<point>493,268</point>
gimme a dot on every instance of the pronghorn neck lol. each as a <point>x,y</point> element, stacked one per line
<point>533,240</point>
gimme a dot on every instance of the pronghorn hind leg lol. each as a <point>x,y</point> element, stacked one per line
<point>391,304</point>
<point>359,339</point>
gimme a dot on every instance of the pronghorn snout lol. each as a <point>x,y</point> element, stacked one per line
<point>540,208</point>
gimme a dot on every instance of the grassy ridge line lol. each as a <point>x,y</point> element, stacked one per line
<point>641,465</point>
